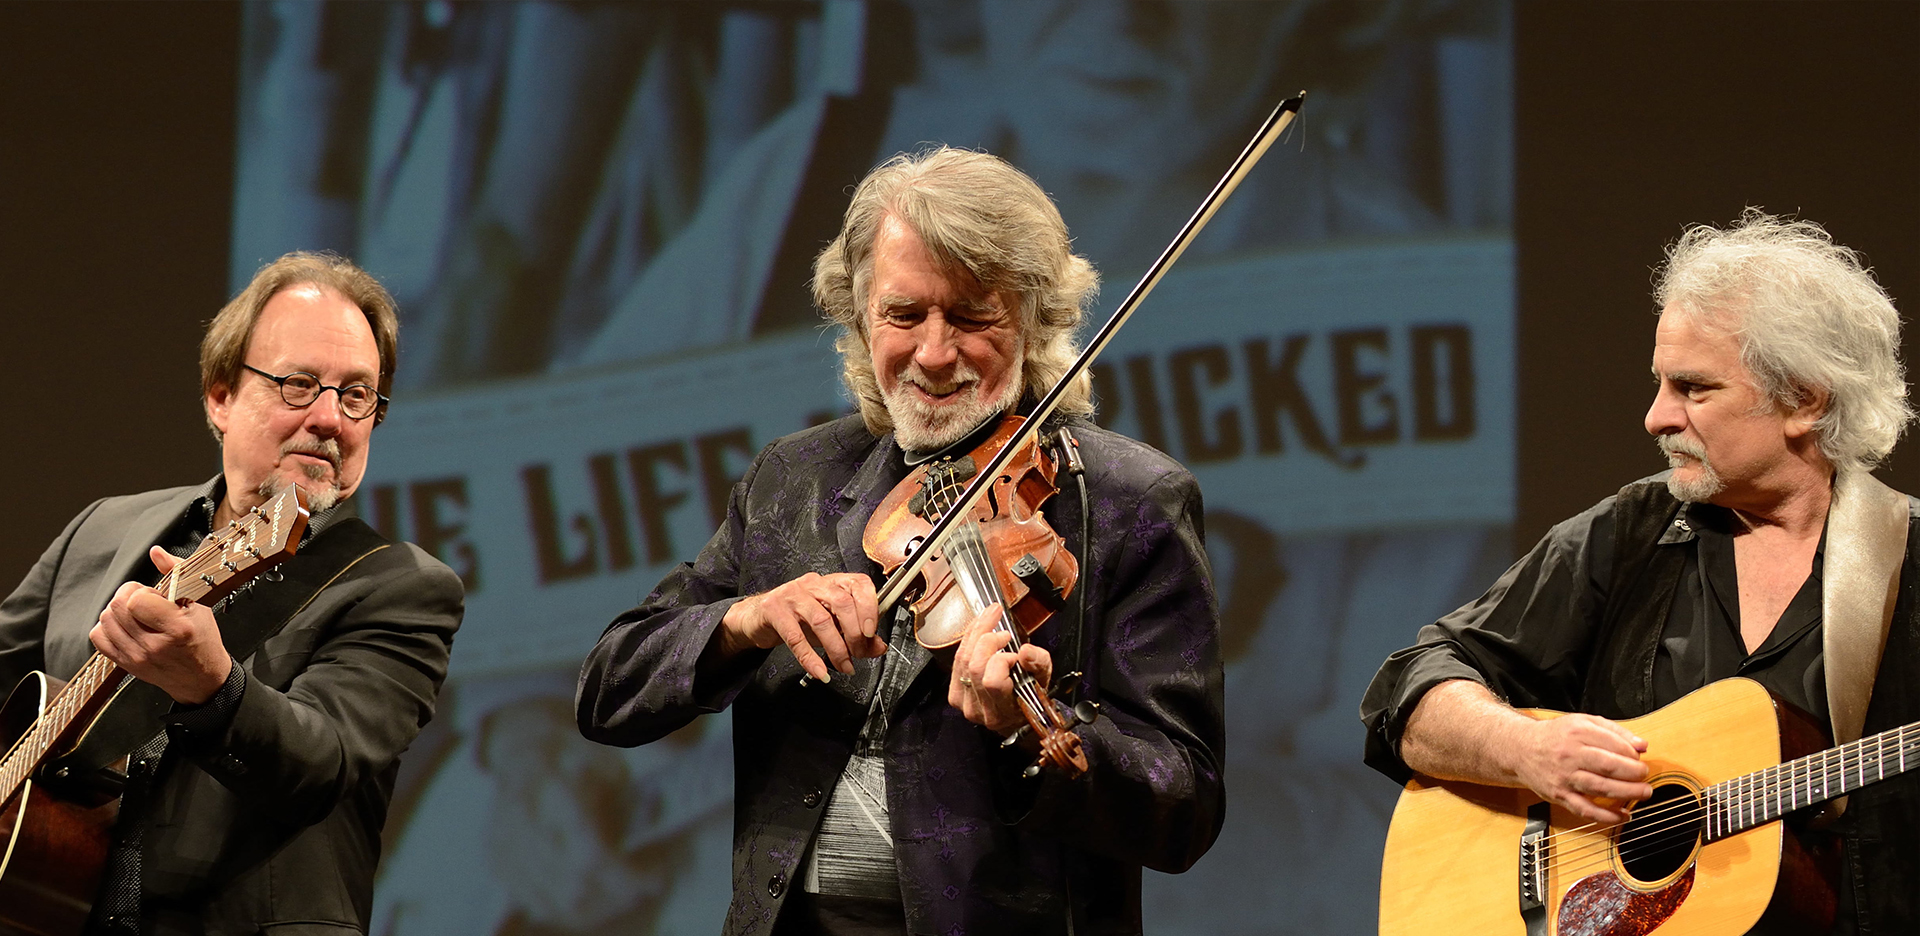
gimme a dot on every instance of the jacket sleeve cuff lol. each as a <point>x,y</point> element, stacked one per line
<point>196,726</point>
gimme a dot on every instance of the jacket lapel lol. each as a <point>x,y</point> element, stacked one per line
<point>131,557</point>
<point>883,469</point>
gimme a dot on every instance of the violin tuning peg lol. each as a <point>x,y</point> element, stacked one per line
<point>1033,771</point>
<point>1065,685</point>
<point>1085,712</point>
<point>1014,738</point>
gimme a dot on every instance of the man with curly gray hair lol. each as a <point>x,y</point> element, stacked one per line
<point>873,789</point>
<point>985,223</point>
<point>1767,551</point>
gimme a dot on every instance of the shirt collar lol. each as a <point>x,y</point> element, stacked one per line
<point>963,446</point>
<point>206,503</point>
<point>1693,518</point>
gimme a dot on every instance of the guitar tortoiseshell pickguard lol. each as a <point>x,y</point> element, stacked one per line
<point>1599,905</point>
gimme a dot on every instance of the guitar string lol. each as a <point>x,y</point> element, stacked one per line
<point>1762,799</point>
<point>1798,775</point>
<point>96,672</point>
<point>92,675</point>
<point>1757,798</point>
<point>1772,781</point>
<point>204,559</point>
<point>1702,710</point>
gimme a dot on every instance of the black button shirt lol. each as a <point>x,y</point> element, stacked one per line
<point>1530,637</point>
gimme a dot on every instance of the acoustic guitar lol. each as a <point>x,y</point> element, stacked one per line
<point>56,808</point>
<point>1707,854</point>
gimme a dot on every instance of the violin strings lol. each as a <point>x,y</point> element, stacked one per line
<point>965,544</point>
<point>972,552</point>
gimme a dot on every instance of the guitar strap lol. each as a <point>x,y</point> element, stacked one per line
<point>247,618</point>
<point>1866,545</point>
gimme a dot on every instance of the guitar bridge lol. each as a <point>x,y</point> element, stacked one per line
<point>1533,869</point>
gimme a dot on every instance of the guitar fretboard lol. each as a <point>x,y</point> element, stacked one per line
<point>1739,804</point>
<point>97,681</point>
<point>265,535</point>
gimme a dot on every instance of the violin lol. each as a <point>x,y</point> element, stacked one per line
<point>1004,554</point>
<point>915,535</point>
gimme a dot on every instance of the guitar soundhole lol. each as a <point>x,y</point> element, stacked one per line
<point>1660,837</point>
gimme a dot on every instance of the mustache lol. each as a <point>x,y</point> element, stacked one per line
<point>318,448</point>
<point>1672,445</point>
<point>963,373</point>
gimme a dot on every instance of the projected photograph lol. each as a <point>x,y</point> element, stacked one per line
<point>599,222</point>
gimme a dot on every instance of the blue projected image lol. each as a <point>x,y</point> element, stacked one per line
<point>599,219</point>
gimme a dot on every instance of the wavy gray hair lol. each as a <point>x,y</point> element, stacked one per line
<point>978,215</point>
<point>1808,316</point>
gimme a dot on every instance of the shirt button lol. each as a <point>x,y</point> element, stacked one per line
<point>776,886</point>
<point>812,798</point>
<point>233,764</point>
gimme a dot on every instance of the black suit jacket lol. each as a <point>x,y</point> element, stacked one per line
<point>274,824</point>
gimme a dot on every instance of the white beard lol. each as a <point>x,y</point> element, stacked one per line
<point>923,427</point>
<point>1700,490</point>
<point>320,493</point>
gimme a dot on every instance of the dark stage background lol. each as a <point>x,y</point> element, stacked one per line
<point>118,143</point>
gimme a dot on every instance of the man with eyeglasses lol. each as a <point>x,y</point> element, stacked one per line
<point>256,780</point>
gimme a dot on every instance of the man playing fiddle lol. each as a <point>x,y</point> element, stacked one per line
<point>1779,387</point>
<point>873,792</point>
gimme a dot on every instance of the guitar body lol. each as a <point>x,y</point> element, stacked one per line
<point>1454,850</point>
<point>52,849</point>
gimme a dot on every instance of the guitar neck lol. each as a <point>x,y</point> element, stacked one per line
<point>83,696</point>
<point>227,559</point>
<point>1741,803</point>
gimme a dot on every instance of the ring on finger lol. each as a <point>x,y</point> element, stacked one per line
<point>966,681</point>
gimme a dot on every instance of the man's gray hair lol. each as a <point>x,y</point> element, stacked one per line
<point>1808,316</point>
<point>978,216</point>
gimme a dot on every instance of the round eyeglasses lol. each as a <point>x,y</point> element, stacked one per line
<point>300,389</point>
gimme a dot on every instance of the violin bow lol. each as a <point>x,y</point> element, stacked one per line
<point>897,584</point>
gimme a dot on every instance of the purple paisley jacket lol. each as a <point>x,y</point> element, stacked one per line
<point>980,850</point>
